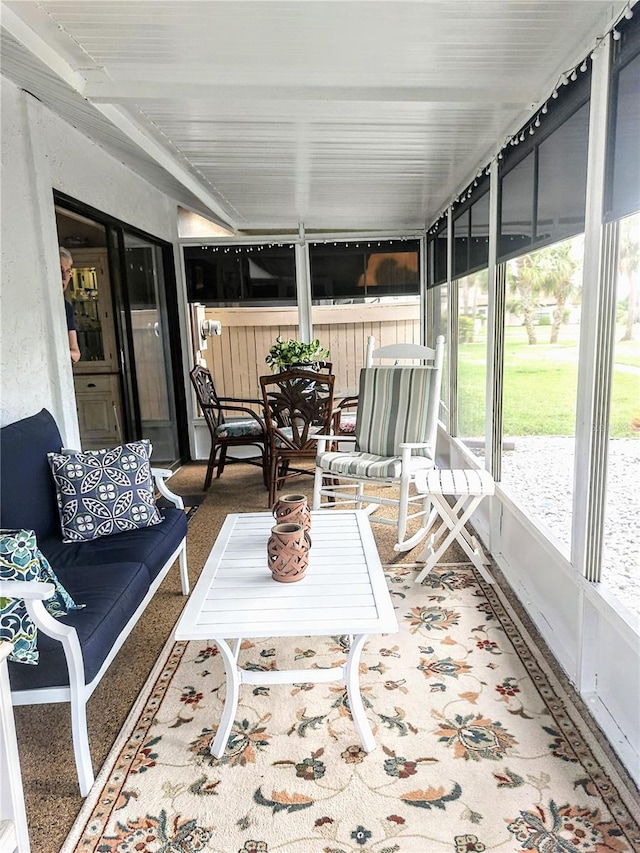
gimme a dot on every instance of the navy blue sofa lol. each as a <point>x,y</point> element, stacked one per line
<point>114,576</point>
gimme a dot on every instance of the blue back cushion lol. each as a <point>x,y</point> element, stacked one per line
<point>27,492</point>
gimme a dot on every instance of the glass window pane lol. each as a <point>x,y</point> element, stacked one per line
<point>472,359</point>
<point>562,179</point>
<point>516,208</point>
<point>621,551</point>
<point>241,275</point>
<point>151,346</point>
<point>441,327</point>
<point>542,327</point>
<point>232,281</point>
<point>86,299</point>
<point>362,289</point>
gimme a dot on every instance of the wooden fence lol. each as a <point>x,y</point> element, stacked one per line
<point>237,357</point>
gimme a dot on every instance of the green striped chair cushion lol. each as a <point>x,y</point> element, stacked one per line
<point>393,406</point>
<point>365,465</point>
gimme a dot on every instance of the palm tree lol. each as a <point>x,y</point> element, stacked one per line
<point>525,277</point>
<point>559,270</point>
<point>549,272</point>
<point>629,266</point>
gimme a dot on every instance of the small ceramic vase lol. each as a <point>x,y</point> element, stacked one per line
<point>288,552</point>
<point>294,509</point>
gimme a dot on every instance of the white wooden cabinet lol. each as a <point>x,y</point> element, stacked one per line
<point>98,405</point>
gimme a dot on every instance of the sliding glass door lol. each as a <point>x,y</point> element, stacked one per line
<point>145,285</point>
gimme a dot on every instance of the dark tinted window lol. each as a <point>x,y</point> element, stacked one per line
<point>241,275</point>
<point>358,270</point>
<point>562,179</point>
<point>461,244</point>
<point>479,240</point>
<point>516,207</point>
<point>441,256</point>
<point>625,190</point>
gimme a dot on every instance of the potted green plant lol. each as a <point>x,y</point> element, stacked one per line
<point>285,354</point>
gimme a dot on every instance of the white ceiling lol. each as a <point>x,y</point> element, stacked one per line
<point>268,114</point>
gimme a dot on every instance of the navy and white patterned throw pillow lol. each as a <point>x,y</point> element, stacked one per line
<point>102,492</point>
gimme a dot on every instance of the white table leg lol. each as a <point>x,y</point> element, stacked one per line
<point>352,681</point>
<point>455,522</point>
<point>233,674</point>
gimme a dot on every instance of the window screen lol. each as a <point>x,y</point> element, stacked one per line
<point>562,179</point>
<point>543,178</point>
<point>624,141</point>
<point>516,207</point>
<point>471,237</point>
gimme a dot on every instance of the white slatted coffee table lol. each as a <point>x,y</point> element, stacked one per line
<point>344,591</point>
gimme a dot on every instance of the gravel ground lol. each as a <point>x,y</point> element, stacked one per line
<point>539,471</point>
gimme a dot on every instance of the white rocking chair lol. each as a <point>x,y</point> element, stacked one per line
<point>396,353</point>
<point>395,437</point>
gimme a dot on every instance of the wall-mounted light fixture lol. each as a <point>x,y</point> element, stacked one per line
<point>209,328</point>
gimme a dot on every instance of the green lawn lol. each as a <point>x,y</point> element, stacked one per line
<point>540,386</point>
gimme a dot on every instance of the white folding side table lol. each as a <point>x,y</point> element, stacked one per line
<point>470,487</point>
<point>344,591</point>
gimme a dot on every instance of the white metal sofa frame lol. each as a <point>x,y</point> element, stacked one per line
<point>330,484</point>
<point>78,692</point>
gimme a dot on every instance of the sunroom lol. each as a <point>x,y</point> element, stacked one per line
<point>335,171</point>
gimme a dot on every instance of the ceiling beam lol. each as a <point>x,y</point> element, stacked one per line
<point>59,66</point>
<point>139,90</point>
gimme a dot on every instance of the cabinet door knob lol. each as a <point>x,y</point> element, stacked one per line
<point>91,384</point>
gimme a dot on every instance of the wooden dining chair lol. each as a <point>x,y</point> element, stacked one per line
<point>298,405</point>
<point>232,422</point>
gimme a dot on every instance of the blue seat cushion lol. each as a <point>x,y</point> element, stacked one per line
<point>26,485</point>
<point>111,593</point>
<point>151,546</point>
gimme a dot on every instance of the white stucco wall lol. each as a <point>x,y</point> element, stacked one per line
<point>40,153</point>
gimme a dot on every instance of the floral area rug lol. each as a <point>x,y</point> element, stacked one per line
<point>478,747</point>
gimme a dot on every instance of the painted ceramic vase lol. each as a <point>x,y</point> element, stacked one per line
<point>288,552</point>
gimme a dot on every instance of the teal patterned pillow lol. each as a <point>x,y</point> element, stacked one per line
<point>102,492</point>
<point>21,559</point>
